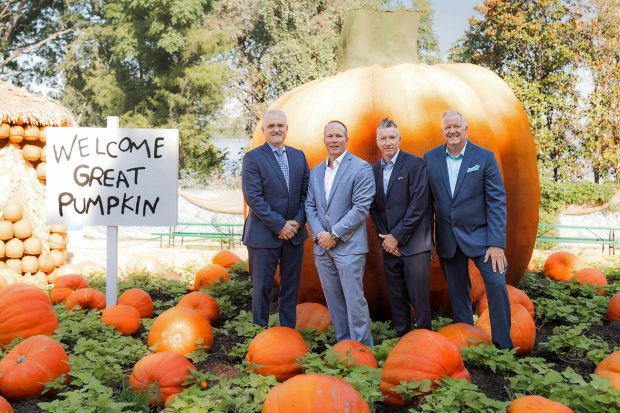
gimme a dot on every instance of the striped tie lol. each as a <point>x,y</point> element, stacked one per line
<point>283,164</point>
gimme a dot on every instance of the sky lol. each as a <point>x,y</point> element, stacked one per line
<point>450,21</point>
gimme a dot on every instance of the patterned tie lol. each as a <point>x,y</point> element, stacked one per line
<point>283,165</point>
<point>387,167</point>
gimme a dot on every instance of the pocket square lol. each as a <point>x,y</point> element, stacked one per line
<point>473,168</point>
<point>399,178</point>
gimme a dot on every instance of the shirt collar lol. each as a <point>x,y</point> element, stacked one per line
<point>274,148</point>
<point>393,160</point>
<point>336,161</point>
<point>448,154</point>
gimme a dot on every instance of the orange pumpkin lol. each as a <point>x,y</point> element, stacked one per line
<point>202,303</point>
<point>25,311</point>
<point>274,352</point>
<point>225,259</point>
<point>5,407</point>
<point>160,375</point>
<point>180,330</point>
<point>537,404</point>
<point>515,296</point>
<point>124,318</point>
<point>312,393</point>
<point>591,276</point>
<point>312,316</point>
<point>140,300</point>
<point>354,353</point>
<point>609,368</point>
<point>465,335</point>
<point>522,328</point>
<point>29,365</point>
<point>210,274</point>
<point>613,308</point>
<point>85,299</point>
<point>415,96</point>
<point>560,266</point>
<point>419,355</point>
<point>65,285</point>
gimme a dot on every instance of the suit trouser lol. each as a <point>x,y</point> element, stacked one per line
<point>263,263</point>
<point>457,274</point>
<point>341,278</point>
<point>408,283</point>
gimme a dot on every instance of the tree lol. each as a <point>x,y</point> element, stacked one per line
<point>535,47</point>
<point>156,63</point>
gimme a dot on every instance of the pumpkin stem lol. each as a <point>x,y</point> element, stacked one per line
<point>21,359</point>
<point>381,37</point>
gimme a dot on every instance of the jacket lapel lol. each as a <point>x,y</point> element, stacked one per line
<point>378,173</point>
<point>346,161</point>
<point>320,177</point>
<point>271,159</point>
<point>395,171</point>
<point>443,168</point>
<point>468,158</point>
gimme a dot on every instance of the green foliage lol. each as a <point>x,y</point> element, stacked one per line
<point>457,395</point>
<point>381,330</point>
<point>571,344</point>
<point>381,349</point>
<point>555,195</point>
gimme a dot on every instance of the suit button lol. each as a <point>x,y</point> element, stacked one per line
<point>387,210</point>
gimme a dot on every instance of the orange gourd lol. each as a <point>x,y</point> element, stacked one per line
<point>225,259</point>
<point>86,299</point>
<point>591,276</point>
<point>522,328</point>
<point>313,393</point>
<point>536,404</point>
<point>419,355</point>
<point>613,308</point>
<point>609,368</point>
<point>274,352</point>
<point>160,375</point>
<point>560,266</point>
<point>180,330</point>
<point>25,311</point>
<point>465,335</point>
<point>202,303</point>
<point>210,274</point>
<point>140,299</point>
<point>29,365</point>
<point>5,407</point>
<point>312,316</point>
<point>515,296</point>
<point>124,318</point>
<point>65,285</point>
<point>354,353</point>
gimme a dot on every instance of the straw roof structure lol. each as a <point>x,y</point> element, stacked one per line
<point>18,106</point>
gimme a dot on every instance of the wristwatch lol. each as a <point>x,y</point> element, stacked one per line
<point>334,236</point>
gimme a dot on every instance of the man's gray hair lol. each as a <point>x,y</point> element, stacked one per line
<point>276,112</point>
<point>453,112</point>
<point>387,123</point>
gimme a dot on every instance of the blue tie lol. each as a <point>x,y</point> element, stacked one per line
<point>283,164</point>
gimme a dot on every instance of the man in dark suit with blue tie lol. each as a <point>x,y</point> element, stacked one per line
<point>470,222</point>
<point>403,217</point>
<point>274,179</point>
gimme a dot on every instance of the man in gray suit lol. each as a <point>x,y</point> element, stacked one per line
<point>340,192</point>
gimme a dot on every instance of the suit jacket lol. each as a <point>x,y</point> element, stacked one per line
<point>270,203</point>
<point>405,210</point>
<point>346,209</point>
<point>475,217</point>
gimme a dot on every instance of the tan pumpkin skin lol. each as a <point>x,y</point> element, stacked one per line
<point>613,308</point>
<point>140,299</point>
<point>314,393</point>
<point>274,352</point>
<point>312,316</point>
<point>415,96</point>
<point>533,404</point>
<point>609,368</point>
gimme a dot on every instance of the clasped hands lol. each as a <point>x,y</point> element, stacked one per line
<point>498,259</point>
<point>325,240</point>
<point>289,230</point>
<point>390,244</point>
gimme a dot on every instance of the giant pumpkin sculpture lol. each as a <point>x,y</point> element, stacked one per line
<point>414,96</point>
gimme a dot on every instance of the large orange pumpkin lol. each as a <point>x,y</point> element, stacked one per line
<point>463,334</point>
<point>5,407</point>
<point>140,300</point>
<point>591,276</point>
<point>419,355</point>
<point>609,368</point>
<point>354,353</point>
<point>210,274</point>
<point>160,375</point>
<point>225,258</point>
<point>312,316</point>
<point>25,311</point>
<point>534,404</point>
<point>86,299</point>
<point>202,303</point>
<point>560,266</point>
<point>274,352</point>
<point>29,365</point>
<point>613,308</point>
<point>181,331</point>
<point>313,393</point>
<point>515,296</point>
<point>415,96</point>
<point>65,285</point>
<point>124,318</point>
<point>522,328</point>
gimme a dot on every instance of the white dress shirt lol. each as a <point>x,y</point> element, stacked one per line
<point>330,173</point>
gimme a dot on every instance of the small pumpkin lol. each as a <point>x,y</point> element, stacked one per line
<point>202,303</point>
<point>31,153</point>
<point>515,296</point>
<point>5,407</point>
<point>31,133</point>
<point>209,275</point>
<point>58,257</point>
<point>124,318</point>
<point>465,335</point>
<point>29,365</point>
<point>46,262</point>
<point>30,264</point>
<point>522,328</point>
<point>23,228</point>
<point>6,230</point>
<point>533,404</point>
<point>15,264</point>
<point>140,299</point>
<point>56,241</point>
<point>560,266</point>
<point>312,393</point>
<point>86,299</point>
<point>181,331</point>
<point>12,211</point>
<point>2,249</point>
<point>312,316</point>
<point>353,353</point>
<point>33,245</point>
<point>274,352</point>
<point>613,308</point>
<point>66,284</point>
<point>14,248</point>
<point>17,134</point>
<point>160,375</point>
<point>609,368</point>
<point>591,276</point>
<point>225,259</point>
<point>5,130</point>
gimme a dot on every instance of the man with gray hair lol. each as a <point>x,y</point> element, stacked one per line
<point>403,217</point>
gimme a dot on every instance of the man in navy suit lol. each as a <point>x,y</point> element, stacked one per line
<point>274,179</point>
<point>470,222</point>
<point>403,217</point>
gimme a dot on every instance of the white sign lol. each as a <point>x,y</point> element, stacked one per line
<point>112,177</point>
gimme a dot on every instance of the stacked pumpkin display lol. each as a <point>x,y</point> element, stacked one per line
<point>30,140</point>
